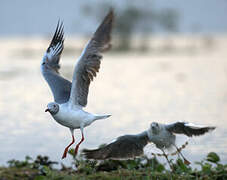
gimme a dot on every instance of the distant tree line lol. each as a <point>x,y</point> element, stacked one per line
<point>136,18</point>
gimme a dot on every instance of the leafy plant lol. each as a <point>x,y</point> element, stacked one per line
<point>139,168</point>
<point>213,157</point>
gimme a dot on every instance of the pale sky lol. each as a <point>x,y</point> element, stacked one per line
<point>30,17</point>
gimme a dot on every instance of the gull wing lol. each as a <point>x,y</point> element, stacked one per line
<point>89,62</point>
<point>125,147</point>
<point>59,86</point>
<point>188,129</point>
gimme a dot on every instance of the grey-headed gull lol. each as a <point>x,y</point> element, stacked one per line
<point>71,98</point>
<point>162,135</point>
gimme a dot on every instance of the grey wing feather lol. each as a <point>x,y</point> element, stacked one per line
<point>89,63</point>
<point>125,147</point>
<point>60,87</point>
<point>188,129</point>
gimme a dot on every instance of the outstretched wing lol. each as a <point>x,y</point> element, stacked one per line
<point>125,147</point>
<point>188,129</point>
<point>89,62</point>
<point>60,87</point>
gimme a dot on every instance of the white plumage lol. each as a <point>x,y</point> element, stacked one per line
<point>71,97</point>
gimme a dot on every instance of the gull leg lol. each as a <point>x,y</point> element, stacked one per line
<point>185,160</point>
<point>82,139</point>
<point>66,149</point>
<point>167,159</point>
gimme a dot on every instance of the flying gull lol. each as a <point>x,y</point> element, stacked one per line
<point>162,135</point>
<point>71,98</point>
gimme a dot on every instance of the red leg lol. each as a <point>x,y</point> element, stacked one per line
<point>66,149</point>
<point>77,146</point>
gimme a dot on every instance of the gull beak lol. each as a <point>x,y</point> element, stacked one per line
<point>47,110</point>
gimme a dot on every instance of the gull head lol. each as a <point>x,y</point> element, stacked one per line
<point>154,128</point>
<point>52,108</point>
<point>45,59</point>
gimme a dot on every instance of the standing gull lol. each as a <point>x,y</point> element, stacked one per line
<point>71,98</point>
<point>162,135</point>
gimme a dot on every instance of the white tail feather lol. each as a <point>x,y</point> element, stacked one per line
<point>97,117</point>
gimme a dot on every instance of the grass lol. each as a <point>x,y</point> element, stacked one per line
<point>141,168</point>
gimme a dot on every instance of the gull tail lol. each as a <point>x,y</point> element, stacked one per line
<point>97,117</point>
<point>94,154</point>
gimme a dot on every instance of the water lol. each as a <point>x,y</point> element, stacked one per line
<point>135,88</point>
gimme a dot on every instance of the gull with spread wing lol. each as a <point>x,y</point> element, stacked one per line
<point>162,135</point>
<point>71,98</point>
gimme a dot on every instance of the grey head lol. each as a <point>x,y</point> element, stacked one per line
<point>154,128</point>
<point>52,108</point>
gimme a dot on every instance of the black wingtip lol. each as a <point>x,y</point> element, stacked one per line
<point>103,32</point>
<point>58,35</point>
<point>110,14</point>
<point>109,18</point>
<point>202,131</point>
<point>211,128</point>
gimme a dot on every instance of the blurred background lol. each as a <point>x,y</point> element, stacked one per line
<point>168,63</point>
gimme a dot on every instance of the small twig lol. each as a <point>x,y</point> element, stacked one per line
<point>179,152</point>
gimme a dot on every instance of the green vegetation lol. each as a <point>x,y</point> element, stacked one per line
<point>142,168</point>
